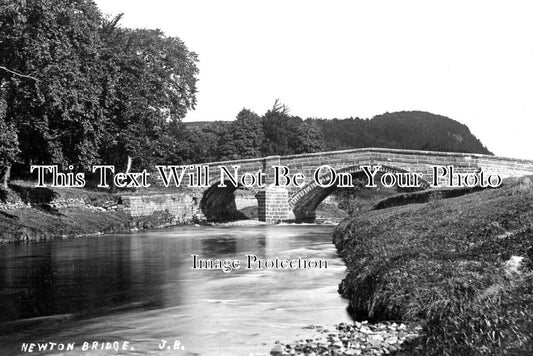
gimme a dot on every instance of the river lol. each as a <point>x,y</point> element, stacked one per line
<point>139,289</point>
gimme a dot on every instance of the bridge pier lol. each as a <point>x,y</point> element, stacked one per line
<point>273,205</point>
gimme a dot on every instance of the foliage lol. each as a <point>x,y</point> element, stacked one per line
<point>308,138</point>
<point>282,134</point>
<point>79,89</point>
<point>245,136</point>
<point>280,129</point>
<point>416,130</point>
<point>56,42</point>
<point>251,136</point>
<point>150,84</point>
<point>8,141</point>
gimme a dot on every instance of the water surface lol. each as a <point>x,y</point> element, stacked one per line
<point>140,288</point>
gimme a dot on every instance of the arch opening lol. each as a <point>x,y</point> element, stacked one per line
<point>305,202</point>
<point>228,203</point>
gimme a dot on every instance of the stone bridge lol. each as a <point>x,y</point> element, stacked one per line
<point>299,202</point>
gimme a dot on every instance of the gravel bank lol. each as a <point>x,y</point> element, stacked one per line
<point>359,338</point>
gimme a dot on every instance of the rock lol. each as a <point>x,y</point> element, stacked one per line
<point>365,330</point>
<point>277,350</point>
<point>361,338</point>
<point>338,344</point>
<point>513,265</point>
<point>374,340</point>
<point>299,347</point>
<point>392,340</point>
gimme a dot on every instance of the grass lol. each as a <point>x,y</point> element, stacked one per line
<point>43,222</point>
<point>33,224</point>
<point>442,263</point>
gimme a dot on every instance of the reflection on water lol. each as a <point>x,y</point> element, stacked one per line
<point>140,288</point>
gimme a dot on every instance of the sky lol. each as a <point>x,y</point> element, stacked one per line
<point>471,61</point>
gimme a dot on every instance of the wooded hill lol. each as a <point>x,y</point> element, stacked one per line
<point>278,133</point>
<point>416,130</point>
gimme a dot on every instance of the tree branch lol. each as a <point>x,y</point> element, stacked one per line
<point>19,74</point>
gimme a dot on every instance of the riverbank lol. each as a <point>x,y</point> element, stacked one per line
<point>29,214</point>
<point>461,267</point>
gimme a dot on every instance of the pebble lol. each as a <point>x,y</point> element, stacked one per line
<point>359,338</point>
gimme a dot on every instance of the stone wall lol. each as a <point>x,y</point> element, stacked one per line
<point>183,207</point>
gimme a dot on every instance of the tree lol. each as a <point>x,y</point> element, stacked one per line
<point>150,84</point>
<point>57,116</point>
<point>8,145</point>
<point>277,127</point>
<point>80,90</point>
<point>285,134</point>
<point>175,145</point>
<point>205,143</point>
<point>308,138</point>
<point>243,137</point>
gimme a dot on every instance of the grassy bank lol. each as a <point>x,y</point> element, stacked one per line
<point>446,263</point>
<point>36,214</point>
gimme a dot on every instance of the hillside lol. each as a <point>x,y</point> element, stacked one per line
<point>415,130</point>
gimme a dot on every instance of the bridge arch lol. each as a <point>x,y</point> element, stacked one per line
<point>304,202</point>
<point>219,204</point>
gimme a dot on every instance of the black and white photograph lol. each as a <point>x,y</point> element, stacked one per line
<point>266,178</point>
